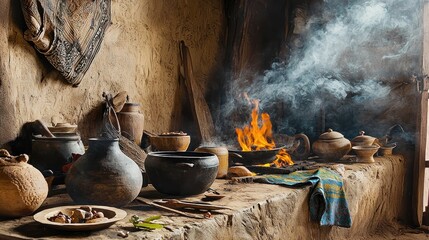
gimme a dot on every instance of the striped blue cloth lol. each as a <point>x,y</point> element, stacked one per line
<point>328,203</point>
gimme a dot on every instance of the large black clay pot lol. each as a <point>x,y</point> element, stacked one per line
<point>181,173</point>
<point>104,175</point>
<point>52,153</point>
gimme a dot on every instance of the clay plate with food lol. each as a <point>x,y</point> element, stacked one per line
<point>80,218</point>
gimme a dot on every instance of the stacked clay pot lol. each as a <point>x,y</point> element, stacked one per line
<point>23,187</point>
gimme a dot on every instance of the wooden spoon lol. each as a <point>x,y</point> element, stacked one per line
<point>40,127</point>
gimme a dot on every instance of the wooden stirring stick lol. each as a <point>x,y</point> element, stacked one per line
<point>151,203</point>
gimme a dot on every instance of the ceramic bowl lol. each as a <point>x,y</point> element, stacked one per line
<point>113,215</point>
<point>365,154</point>
<point>171,143</point>
<point>386,150</point>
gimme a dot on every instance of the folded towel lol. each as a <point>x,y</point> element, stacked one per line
<point>328,203</point>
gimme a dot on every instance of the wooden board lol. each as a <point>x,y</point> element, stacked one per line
<point>419,162</point>
<point>422,117</point>
<point>199,106</point>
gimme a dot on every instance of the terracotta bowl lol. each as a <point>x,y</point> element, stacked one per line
<point>113,215</point>
<point>386,150</point>
<point>171,143</point>
<point>365,153</point>
<point>63,128</point>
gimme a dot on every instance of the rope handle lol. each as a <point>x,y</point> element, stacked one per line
<point>109,109</point>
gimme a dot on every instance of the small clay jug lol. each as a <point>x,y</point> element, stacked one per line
<point>104,175</point>
<point>331,146</point>
<point>131,122</point>
<point>222,155</point>
<point>23,187</point>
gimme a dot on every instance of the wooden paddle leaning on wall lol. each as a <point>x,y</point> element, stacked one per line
<point>199,107</point>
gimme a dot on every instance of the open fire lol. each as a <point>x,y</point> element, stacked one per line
<point>255,138</point>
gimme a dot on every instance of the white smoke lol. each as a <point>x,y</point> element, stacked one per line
<point>352,49</point>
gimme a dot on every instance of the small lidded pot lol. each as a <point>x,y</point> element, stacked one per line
<point>363,140</point>
<point>331,146</point>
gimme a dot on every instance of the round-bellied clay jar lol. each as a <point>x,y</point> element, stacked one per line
<point>331,146</point>
<point>23,187</point>
<point>104,175</point>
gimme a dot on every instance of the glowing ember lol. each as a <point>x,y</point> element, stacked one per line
<point>252,137</point>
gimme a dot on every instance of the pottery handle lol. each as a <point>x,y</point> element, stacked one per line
<point>233,154</point>
<point>303,151</point>
<point>189,165</point>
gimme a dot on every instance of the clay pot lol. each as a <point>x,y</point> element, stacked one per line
<point>171,143</point>
<point>363,140</point>
<point>131,122</point>
<point>104,175</point>
<point>331,146</point>
<point>222,155</point>
<point>23,187</point>
<point>181,173</point>
<point>365,154</point>
<point>386,150</point>
<point>52,153</point>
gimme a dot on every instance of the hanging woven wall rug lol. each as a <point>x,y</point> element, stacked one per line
<point>67,33</point>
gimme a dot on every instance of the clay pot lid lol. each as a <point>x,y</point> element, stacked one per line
<point>63,127</point>
<point>363,138</point>
<point>8,160</point>
<point>217,149</point>
<point>132,104</point>
<point>58,137</point>
<point>331,135</point>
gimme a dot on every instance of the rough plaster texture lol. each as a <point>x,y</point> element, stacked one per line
<point>263,211</point>
<point>139,54</point>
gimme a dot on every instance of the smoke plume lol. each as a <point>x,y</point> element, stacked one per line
<point>350,52</point>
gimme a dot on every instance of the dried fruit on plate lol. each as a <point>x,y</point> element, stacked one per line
<point>84,214</point>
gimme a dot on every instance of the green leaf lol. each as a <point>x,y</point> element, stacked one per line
<point>150,219</point>
<point>146,224</point>
<point>150,226</point>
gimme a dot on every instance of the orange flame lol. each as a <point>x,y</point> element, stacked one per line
<point>252,137</point>
<point>283,159</point>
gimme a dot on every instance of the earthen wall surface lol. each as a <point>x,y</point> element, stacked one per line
<point>139,54</point>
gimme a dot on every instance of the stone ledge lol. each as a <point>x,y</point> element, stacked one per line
<point>261,211</point>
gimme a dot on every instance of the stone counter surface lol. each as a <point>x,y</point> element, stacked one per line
<point>260,211</point>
